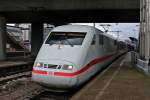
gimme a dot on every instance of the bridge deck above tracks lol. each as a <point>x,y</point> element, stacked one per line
<point>120,81</point>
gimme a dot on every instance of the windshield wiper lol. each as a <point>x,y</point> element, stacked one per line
<point>69,43</point>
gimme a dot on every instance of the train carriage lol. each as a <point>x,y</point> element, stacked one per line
<point>71,54</point>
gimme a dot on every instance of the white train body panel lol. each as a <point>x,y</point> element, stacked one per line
<point>85,59</point>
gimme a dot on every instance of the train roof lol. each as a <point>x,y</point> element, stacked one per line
<point>80,28</point>
<point>74,28</point>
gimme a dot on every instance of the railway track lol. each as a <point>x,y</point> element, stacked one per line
<point>4,80</point>
<point>32,93</point>
<point>18,87</point>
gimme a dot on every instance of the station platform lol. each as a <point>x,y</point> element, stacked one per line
<point>4,64</point>
<point>120,81</point>
<point>10,67</point>
<point>16,61</point>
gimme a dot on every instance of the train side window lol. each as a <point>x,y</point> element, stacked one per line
<point>101,40</point>
<point>94,40</point>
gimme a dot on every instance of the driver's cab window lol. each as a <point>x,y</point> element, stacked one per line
<point>93,40</point>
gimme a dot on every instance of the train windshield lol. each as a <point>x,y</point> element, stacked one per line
<point>66,38</point>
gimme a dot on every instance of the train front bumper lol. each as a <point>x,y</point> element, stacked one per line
<point>49,80</point>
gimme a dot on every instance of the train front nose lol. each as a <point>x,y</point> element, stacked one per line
<point>55,78</point>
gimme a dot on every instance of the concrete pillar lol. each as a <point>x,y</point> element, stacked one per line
<point>2,38</point>
<point>141,21</point>
<point>148,27</point>
<point>147,47</point>
<point>143,31</point>
<point>143,63</point>
<point>36,37</point>
<point>142,28</point>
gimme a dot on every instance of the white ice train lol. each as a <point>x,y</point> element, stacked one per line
<point>71,54</point>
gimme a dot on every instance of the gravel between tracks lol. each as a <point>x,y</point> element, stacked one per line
<point>20,89</point>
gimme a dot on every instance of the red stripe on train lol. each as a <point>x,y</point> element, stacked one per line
<point>86,67</point>
<point>39,71</point>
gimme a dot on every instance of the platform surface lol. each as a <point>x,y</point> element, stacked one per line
<point>4,64</point>
<point>120,81</point>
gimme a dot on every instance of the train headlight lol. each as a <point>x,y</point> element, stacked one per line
<point>39,64</point>
<point>70,67</point>
<point>67,67</point>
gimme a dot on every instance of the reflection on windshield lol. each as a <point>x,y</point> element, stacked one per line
<point>66,38</point>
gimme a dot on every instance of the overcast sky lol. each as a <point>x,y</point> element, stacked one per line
<point>127,29</point>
